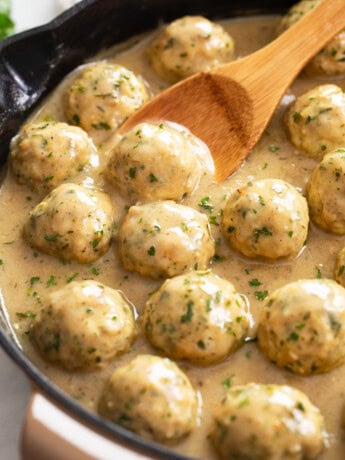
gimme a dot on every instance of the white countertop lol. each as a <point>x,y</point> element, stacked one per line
<point>14,385</point>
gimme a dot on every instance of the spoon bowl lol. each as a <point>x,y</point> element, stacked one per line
<point>230,106</point>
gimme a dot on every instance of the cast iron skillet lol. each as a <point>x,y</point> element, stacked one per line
<point>31,65</point>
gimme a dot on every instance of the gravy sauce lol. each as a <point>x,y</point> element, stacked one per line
<point>26,276</point>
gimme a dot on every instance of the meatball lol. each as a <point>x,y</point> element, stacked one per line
<point>164,239</point>
<point>84,325</point>
<point>267,422</point>
<point>267,218</point>
<point>331,59</point>
<point>45,154</point>
<point>339,272</point>
<point>102,96</point>
<point>73,223</point>
<point>316,119</point>
<point>302,327</point>
<point>325,193</point>
<point>158,161</point>
<point>189,45</point>
<point>197,316</point>
<point>152,397</point>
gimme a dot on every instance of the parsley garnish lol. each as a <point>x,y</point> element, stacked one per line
<point>187,317</point>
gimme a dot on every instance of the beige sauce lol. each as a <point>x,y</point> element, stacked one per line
<point>273,157</point>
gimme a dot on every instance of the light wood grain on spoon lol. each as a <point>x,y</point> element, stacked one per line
<point>230,106</point>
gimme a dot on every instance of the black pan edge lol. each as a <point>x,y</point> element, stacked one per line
<point>31,65</point>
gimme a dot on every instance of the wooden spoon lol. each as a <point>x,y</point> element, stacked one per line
<point>230,106</point>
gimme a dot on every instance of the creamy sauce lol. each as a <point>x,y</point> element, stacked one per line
<point>273,157</point>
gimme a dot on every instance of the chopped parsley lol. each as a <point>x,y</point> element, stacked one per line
<point>228,382</point>
<point>264,231</point>
<point>187,317</point>
<point>51,281</point>
<point>206,204</point>
<point>26,315</point>
<point>71,278</point>
<point>34,280</point>
<point>254,282</point>
<point>261,295</point>
<point>151,251</point>
<point>153,178</point>
<point>53,237</point>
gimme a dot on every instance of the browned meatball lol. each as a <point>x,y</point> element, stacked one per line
<point>316,119</point>
<point>267,218</point>
<point>197,316</point>
<point>45,154</point>
<point>84,325</point>
<point>72,223</point>
<point>152,397</point>
<point>164,239</point>
<point>102,96</point>
<point>188,45</point>
<point>267,422</point>
<point>158,161</point>
<point>303,326</point>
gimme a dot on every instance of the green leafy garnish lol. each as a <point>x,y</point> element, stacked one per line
<point>6,22</point>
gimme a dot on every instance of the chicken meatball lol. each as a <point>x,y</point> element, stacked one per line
<point>331,59</point>
<point>267,422</point>
<point>84,325</point>
<point>72,223</point>
<point>316,119</point>
<point>326,191</point>
<point>198,316</point>
<point>164,239</point>
<point>45,154</point>
<point>189,45</point>
<point>267,218</point>
<point>302,327</point>
<point>152,397</point>
<point>158,161</point>
<point>102,96</point>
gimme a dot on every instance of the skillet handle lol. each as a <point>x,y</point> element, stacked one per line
<point>50,432</point>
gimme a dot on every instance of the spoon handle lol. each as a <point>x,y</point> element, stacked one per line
<point>276,65</point>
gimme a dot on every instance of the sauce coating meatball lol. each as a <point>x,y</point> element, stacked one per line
<point>158,161</point>
<point>189,45</point>
<point>164,239</point>
<point>325,193</point>
<point>316,119</point>
<point>102,96</point>
<point>84,325</point>
<point>267,422</point>
<point>73,223</point>
<point>45,154</point>
<point>267,218</point>
<point>331,59</point>
<point>152,397</point>
<point>302,327</point>
<point>198,316</point>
